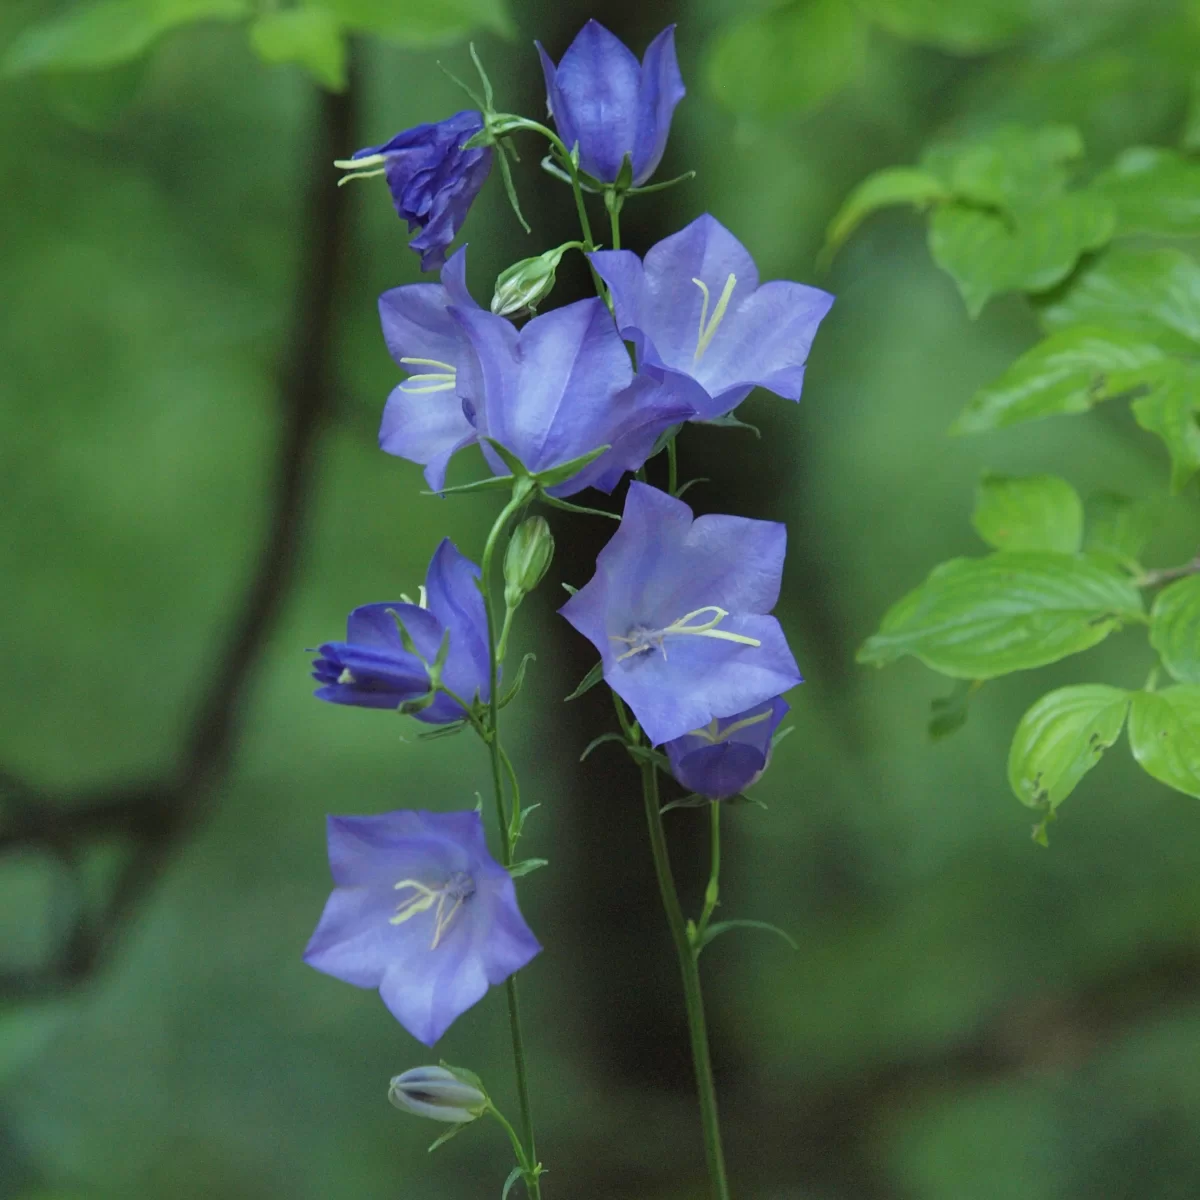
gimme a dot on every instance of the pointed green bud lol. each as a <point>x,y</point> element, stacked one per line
<point>524,285</point>
<point>438,1094</point>
<point>527,559</point>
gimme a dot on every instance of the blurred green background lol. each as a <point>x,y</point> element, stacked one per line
<point>969,1017</point>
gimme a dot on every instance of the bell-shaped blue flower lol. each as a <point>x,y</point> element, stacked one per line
<point>678,610</point>
<point>608,103</point>
<point>728,754</point>
<point>433,180</point>
<point>423,419</point>
<point>694,309</point>
<point>560,388</point>
<point>422,912</point>
<point>373,668</point>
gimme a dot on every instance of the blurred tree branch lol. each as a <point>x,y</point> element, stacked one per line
<point>155,817</point>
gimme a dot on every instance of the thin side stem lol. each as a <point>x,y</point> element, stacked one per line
<point>712,893</point>
<point>672,467</point>
<point>1167,574</point>
<point>697,1028</point>
<point>614,225</point>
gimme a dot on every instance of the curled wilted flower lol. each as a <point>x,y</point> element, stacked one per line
<point>422,912</point>
<point>678,610</point>
<point>727,755</point>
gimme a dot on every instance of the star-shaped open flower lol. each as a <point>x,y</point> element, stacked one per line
<point>373,668</point>
<point>727,755</point>
<point>423,419</point>
<point>608,103</point>
<point>560,388</point>
<point>678,610</point>
<point>422,912</point>
<point>694,309</point>
<point>432,178</point>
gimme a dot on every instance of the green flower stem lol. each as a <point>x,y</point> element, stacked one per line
<point>689,969</point>
<point>712,892</point>
<point>614,224</point>
<point>672,466</point>
<point>520,498</point>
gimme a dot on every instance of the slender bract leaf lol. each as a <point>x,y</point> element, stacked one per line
<point>892,185</point>
<point>1066,373</point>
<point>1118,526</point>
<point>1060,739</point>
<point>1164,731</point>
<point>518,869</point>
<point>1032,512</point>
<point>1175,628</point>
<point>308,36</point>
<point>977,618</point>
<point>589,681</point>
<point>1155,191</point>
<point>715,931</point>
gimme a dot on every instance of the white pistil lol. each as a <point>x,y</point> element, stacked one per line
<point>454,892</point>
<point>708,329</point>
<point>366,167</point>
<point>641,640</point>
<point>429,381</point>
<point>713,734</point>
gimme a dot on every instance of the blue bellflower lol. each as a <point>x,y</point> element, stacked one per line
<point>728,754</point>
<point>433,180</point>
<point>423,419</point>
<point>678,610</point>
<point>608,103</point>
<point>694,310</point>
<point>422,912</point>
<point>372,669</point>
<point>560,388</point>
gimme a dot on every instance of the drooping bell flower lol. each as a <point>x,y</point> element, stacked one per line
<point>433,180</point>
<point>694,309</point>
<point>608,103</point>
<point>423,419</point>
<point>560,388</point>
<point>422,912</point>
<point>727,755</point>
<point>373,668</point>
<point>678,610</point>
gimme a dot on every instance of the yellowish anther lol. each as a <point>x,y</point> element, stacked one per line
<point>424,899</point>
<point>708,328</point>
<point>422,596</point>
<point>442,380</point>
<point>445,901</point>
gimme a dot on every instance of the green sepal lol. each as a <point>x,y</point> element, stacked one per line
<point>494,484</point>
<point>715,931</point>
<point>586,183</point>
<point>691,800</point>
<point>596,742</point>
<point>646,755</point>
<point>646,189</point>
<point>579,509</point>
<point>405,637</point>
<point>510,460</point>
<point>439,662</point>
<point>443,731</point>
<point>729,421</point>
<point>525,866</point>
<point>453,1131</point>
<point>624,180</point>
<point>588,682</point>
<point>563,472</point>
<point>569,589</point>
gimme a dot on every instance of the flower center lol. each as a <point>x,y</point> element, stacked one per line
<point>445,900</point>
<point>641,639</point>
<point>429,381</point>
<point>708,328</point>
<point>714,734</point>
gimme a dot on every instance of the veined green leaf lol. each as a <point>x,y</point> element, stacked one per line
<point>1175,628</point>
<point>754,66</point>
<point>976,618</point>
<point>308,36</point>
<point>1118,526</point>
<point>1060,739</point>
<point>1065,373</point>
<point>1154,191</point>
<point>892,185</point>
<point>1172,411</point>
<point>1164,731</point>
<point>1032,512</point>
<point>988,253</point>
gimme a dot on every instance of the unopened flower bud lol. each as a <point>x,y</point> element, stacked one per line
<point>438,1094</point>
<point>527,283</point>
<point>527,559</point>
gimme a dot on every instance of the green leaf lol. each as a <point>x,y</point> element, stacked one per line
<point>308,36</point>
<point>1175,628</point>
<point>1153,292</point>
<point>420,25</point>
<point>987,253</point>
<point>453,1131</point>
<point>977,618</point>
<point>601,740</point>
<point>959,27</point>
<point>1032,512</point>
<point>787,59</point>
<point>715,931</point>
<point>1154,191</point>
<point>589,681</point>
<point>526,865</point>
<point>948,714</point>
<point>1060,739</point>
<point>1065,373</point>
<point>1191,122</point>
<point>513,1176</point>
<point>1164,731</point>
<point>1118,526</point>
<point>892,185</point>
<point>108,32</point>
<point>1171,411</point>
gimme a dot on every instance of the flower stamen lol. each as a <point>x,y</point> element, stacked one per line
<point>366,167</point>
<point>453,893</point>
<point>641,639</point>
<point>708,328</point>
<point>429,381</point>
<point>713,734</point>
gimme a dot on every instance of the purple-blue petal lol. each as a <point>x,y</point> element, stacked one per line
<point>730,764</point>
<point>660,91</point>
<point>425,428</point>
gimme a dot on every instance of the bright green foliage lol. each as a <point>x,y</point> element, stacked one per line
<point>787,59</point>
<point>1154,191</point>
<point>1191,124</point>
<point>1118,527</point>
<point>309,36</point>
<point>418,23</point>
<point>1175,628</point>
<point>1034,512</point>
<point>1060,739</point>
<point>977,618</point>
<point>1172,411</point>
<point>892,185</point>
<point>961,28</point>
<point>1065,373</point>
<point>1164,731</point>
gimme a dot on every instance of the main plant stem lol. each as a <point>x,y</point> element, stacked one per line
<point>693,999</point>
<point>532,1186</point>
